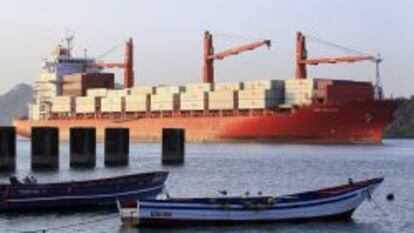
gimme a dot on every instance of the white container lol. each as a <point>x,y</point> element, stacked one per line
<point>264,84</point>
<point>165,102</point>
<point>88,108</point>
<point>222,95</point>
<point>97,92</point>
<point>117,93</point>
<point>137,98</point>
<point>142,90</point>
<point>169,89</point>
<point>259,103</point>
<point>224,100</point>
<point>193,105</point>
<point>61,108</point>
<point>222,105</point>
<point>199,87</point>
<point>136,106</point>
<point>137,103</point>
<point>59,100</point>
<point>190,96</point>
<point>231,86</point>
<point>261,94</point>
<point>87,104</point>
<point>111,104</point>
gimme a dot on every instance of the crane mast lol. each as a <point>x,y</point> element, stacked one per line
<point>210,56</point>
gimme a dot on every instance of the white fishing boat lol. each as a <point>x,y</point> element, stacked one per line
<point>334,203</point>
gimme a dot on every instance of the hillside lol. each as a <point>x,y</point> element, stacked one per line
<point>13,103</point>
<point>403,124</point>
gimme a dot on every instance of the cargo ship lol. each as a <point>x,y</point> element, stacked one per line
<point>77,92</point>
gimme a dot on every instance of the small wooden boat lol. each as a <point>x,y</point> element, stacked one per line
<point>333,203</point>
<point>30,195</point>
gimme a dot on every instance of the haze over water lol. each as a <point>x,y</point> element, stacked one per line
<point>237,168</point>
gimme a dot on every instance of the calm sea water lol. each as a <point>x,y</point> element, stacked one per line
<point>237,168</point>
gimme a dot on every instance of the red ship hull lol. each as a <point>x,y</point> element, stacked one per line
<point>359,122</point>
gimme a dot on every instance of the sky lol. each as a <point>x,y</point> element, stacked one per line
<point>168,36</point>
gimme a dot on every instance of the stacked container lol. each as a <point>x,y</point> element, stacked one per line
<point>222,100</point>
<point>169,89</point>
<point>137,102</point>
<point>190,101</point>
<point>261,94</point>
<point>117,93</point>
<point>299,91</point>
<point>78,84</point>
<point>141,90</point>
<point>62,104</point>
<point>97,92</point>
<point>87,104</point>
<point>199,87</point>
<point>165,102</point>
<point>112,104</point>
<point>230,86</point>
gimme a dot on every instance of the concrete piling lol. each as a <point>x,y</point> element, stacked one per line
<point>82,147</point>
<point>7,148</point>
<point>173,146</point>
<point>116,146</point>
<point>45,148</point>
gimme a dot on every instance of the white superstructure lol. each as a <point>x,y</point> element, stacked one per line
<point>49,85</point>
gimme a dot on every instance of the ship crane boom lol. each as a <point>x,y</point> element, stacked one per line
<point>210,56</point>
<point>302,60</point>
<point>127,64</point>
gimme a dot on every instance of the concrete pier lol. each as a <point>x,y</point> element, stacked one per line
<point>82,147</point>
<point>45,148</point>
<point>116,146</point>
<point>7,149</point>
<point>173,146</point>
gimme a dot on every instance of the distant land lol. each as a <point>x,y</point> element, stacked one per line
<point>13,104</point>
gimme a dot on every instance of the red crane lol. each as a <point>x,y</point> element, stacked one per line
<point>210,56</point>
<point>302,59</point>
<point>127,64</point>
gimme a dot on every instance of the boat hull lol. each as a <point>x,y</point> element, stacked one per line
<point>336,203</point>
<point>83,194</point>
<point>358,122</point>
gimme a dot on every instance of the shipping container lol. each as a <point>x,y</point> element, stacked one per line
<point>62,108</point>
<point>259,103</point>
<point>230,86</point>
<point>264,84</point>
<point>169,89</point>
<point>224,100</point>
<point>199,87</point>
<point>165,102</point>
<point>137,103</point>
<point>194,105</point>
<point>87,104</point>
<point>189,96</point>
<point>62,100</point>
<point>97,92</point>
<point>112,104</point>
<point>261,94</point>
<point>78,84</point>
<point>142,90</point>
<point>117,93</point>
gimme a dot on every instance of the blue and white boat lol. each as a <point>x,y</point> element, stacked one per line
<point>88,193</point>
<point>333,203</point>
